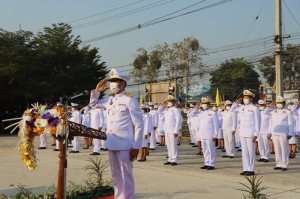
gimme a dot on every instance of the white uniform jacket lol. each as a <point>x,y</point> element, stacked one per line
<point>296,110</point>
<point>86,117</point>
<point>186,111</point>
<point>172,119</point>
<point>147,128</point>
<point>265,123</point>
<point>281,121</point>
<point>249,119</point>
<point>76,117</point>
<point>208,124</point>
<point>123,111</point>
<point>97,118</point>
<point>229,119</point>
<point>194,114</point>
<point>161,119</point>
<point>154,118</point>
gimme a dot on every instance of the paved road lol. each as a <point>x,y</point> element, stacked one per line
<point>153,179</point>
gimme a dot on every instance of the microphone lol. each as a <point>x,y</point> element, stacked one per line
<point>83,93</point>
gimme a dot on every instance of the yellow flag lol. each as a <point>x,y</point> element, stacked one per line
<point>218,103</point>
<point>141,99</point>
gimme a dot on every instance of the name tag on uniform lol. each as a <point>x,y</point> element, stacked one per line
<point>209,115</point>
<point>250,111</point>
<point>122,104</point>
<point>284,112</point>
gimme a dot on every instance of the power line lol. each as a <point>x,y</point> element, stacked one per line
<point>291,13</point>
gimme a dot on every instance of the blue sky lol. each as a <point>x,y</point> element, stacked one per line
<point>218,26</point>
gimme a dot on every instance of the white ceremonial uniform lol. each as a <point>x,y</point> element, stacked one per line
<point>296,112</point>
<point>220,131</point>
<point>154,115</point>
<point>294,139</point>
<point>208,129</point>
<point>76,117</point>
<point>172,125</point>
<point>161,122</point>
<point>189,122</point>
<point>147,129</point>
<point>263,141</point>
<point>249,127</point>
<point>237,132</point>
<point>193,128</point>
<point>228,125</point>
<point>104,128</point>
<point>123,112</point>
<point>180,128</point>
<point>281,126</point>
<point>86,118</point>
<point>97,121</point>
<point>195,113</point>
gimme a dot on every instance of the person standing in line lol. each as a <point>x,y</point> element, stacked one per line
<point>157,135</point>
<point>187,110</point>
<point>220,131</point>
<point>263,140</point>
<point>249,130</point>
<point>76,118</point>
<point>238,144</point>
<point>294,140</point>
<point>147,130</point>
<point>123,112</point>
<point>282,129</point>
<point>97,122</point>
<point>86,121</point>
<point>154,115</point>
<point>180,130</point>
<point>171,128</point>
<point>229,128</point>
<point>194,127</point>
<point>104,129</point>
<point>160,127</point>
<point>147,110</point>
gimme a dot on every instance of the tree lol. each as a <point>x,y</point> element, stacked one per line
<point>291,66</point>
<point>232,77</point>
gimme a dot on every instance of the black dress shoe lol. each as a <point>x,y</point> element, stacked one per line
<point>272,153</point>
<point>191,144</point>
<point>71,151</point>
<point>85,148</point>
<point>223,150</point>
<point>173,164</point>
<point>225,156</point>
<point>157,142</point>
<point>159,145</point>
<point>283,169</point>
<point>260,160</point>
<point>239,150</point>
<point>105,149</point>
<point>167,157</point>
<point>152,149</point>
<point>101,149</point>
<point>250,173</point>
<point>237,147</point>
<point>231,156</point>
<point>277,168</point>
<point>42,148</point>
<point>265,160</point>
<point>95,153</point>
<point>243,173</point>
<point>53,144</point>
<point>167,163</point>
<point>55,149</point>
<point>210,168</point>
<point>204,167</point>
<point>70,146</point>
<point>75,151</point>
<point>194,146</point>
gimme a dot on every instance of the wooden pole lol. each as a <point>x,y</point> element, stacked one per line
<point>60,183</point>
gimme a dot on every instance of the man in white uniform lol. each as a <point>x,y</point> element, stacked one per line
<point>160,128</point>
<point>208,130</point>
<point>249,130</point>
<point>281,130</point>
<point>76,117</point>
<point>187,111</point>
<point>97,122</point>
<point>229,127</point>
<point>154,115</point>
<point>123,112</point>
<point>171,128</point>
<point>263,140</point>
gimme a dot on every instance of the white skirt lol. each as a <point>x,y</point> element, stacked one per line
<point>145,141</point>
<point>220,134</point>
<point>293,140</point>
<point>160,131</point>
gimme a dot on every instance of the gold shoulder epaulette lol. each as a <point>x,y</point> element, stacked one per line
<point>128,95</point>
<point>112,94</point>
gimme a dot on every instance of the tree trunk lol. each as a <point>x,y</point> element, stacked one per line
<point>138,89</point>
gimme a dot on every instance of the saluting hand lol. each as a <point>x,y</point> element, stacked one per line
<point>239,100</point>
<point>198,105</point>
<point>272,105</point>
<point>165,103</point>
<point>224,107</point>
<point>101,86</point>
<point>298,103</point>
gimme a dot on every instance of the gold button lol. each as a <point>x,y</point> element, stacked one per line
<point>114,106</point>
<point>116,98</point>
<point>111,122</point>
<point>110,131</point>
<point>113,114</point>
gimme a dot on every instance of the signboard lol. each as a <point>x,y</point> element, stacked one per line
<point>269,94</point>
<point>196,90</point>
<point>292,96</point>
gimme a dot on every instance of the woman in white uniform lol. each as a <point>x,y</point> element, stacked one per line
<point>294,140</point>
<point>86,121</point>
<point>146,138</point>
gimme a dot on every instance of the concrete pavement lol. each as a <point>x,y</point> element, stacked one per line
<point>153,179</point>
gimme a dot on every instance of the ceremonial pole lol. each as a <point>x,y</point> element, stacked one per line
<point>278,49</point>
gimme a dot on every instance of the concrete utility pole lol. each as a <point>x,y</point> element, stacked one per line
<point>278,49</point>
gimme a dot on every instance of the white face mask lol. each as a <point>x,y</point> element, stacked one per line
<point>143,111</point>
<point>246,101</point>
<point>279,106</point>
<point>227,108</point>
<point>114,87</point>
<point>73,109</point>
<point>204,106</point>
<point>261,108</point>
<point>170,104</point>
<point>214,108</point>
<point>151,108</point>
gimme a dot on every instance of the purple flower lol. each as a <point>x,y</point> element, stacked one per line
<point>53,121</point>
<point>30,124</point>
<point>46,116</point>
<point>49,107</point>
<point>32,120</point>
<point>34,110</point>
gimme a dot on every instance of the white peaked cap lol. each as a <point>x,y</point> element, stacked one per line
<point>262,102</point>
<point>115,74</point>
<point>228,102</point>
<point>74,104</point>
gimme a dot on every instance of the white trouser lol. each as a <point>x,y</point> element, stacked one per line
<point>75,143</point>
<point>281,146</point>
<point>195,137</point>
<point>57,144</point>
<point>209,152</point>
<point>229,142</point>
<point>152,140</point>
<point>248,153</point>
<point>157,136</point>
<point>171,142</point>
<point>43,139</point>
<point>97,145</point>
<point>264,146</point>
<point>237,138</point>
<point>122,176</point>
<point>191,134</point>
<point>103,145</point>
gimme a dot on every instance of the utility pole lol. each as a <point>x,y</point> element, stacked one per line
<point>278,49</point>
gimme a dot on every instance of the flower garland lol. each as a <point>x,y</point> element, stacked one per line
<point>36,121</point>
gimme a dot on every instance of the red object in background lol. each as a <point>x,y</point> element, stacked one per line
<point>108,197</point>
<point>178,104</point>
<point>264,95</point>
